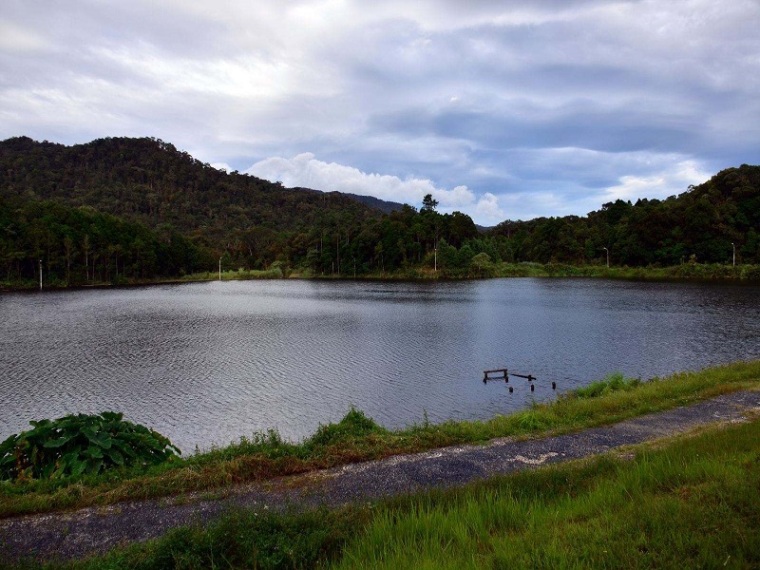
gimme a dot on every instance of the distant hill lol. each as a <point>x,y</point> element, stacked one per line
<point>370,201</point>
<point>704,224</point>
<point>376,203</point>
<point>194,214</point>
<point>125,208</point>
<point>151,182</point>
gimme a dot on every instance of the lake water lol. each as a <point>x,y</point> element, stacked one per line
<point>207,363</point>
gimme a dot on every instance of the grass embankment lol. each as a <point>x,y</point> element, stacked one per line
<point>358,438</point>
<point>685,272</point>
<point>205,276</point>
<point>690,502</point>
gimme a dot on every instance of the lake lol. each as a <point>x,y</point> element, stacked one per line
<point>206,363</point>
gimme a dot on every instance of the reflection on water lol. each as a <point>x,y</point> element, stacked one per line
<point>207,363</point>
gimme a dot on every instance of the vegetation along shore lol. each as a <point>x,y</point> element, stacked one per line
<point>131,211</point>
<point>680,489</point>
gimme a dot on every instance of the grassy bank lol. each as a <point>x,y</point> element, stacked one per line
<point>685,272</point>
<point>358,438</point>
<point>690,502</point>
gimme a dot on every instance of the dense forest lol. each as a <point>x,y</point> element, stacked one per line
<point>122,209</point>
<point>699,225</point>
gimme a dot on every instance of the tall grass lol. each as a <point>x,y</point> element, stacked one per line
<point>694,504</point>
<point>613,383</point>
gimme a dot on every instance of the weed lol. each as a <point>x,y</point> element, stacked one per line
<point>612,383</point>
<point>355,424</point>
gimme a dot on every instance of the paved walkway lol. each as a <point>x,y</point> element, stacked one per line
<point>96,530</point>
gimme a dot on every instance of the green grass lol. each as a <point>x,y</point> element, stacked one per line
<point>235,275</point>
<point>746,273</point>
<point>613,383</point>
<point>358,438</point>
<point>683,272</point>
<point>693,504</point>
<point>688,502</point>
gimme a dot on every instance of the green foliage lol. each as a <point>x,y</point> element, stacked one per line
<point>265,456</point>
<point>269,445</point>
<point>169,215</point>
<point>79,246</point>
<point>245,539</point>
<point>355,424</point>
<point>81,444</point>
<point>612,383</point>
<point>533,420</point>
<point>699,225</point>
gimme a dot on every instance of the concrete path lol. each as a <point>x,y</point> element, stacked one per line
<point>95,530</point>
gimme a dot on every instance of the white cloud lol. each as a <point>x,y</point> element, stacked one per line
<point>15,39</point>
<point>306,171</point>
<point>661,185</point>
<point>528,109</point>
<point>534,204</point>
<point>488,210</point>
<point>222,166</point>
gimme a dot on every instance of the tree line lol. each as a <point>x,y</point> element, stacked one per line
<point>80,246</point>
<point>705,224</point>
<point>136,209</point>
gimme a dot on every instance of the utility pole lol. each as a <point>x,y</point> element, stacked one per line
<point>220,269</point>
<point>733,246</point>
<point>435,259</point>
<point>40,275</point>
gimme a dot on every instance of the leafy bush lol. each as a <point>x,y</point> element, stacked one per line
<point>77,444</point>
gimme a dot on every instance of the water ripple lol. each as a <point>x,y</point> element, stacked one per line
<point>208,363</point>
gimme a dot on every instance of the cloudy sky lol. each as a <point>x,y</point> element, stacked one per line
<point>500,109</point>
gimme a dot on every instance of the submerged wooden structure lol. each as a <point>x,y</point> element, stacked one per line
<point>504,374</point>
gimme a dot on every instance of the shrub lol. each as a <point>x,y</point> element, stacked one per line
<point>77,444</point>
<point>354,424</point>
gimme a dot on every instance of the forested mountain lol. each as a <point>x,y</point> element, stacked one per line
<point>250,222</point>
<point>699,225</point>
<point>81,246</point>
<point>383,205</point>
<point>133,209</point>
<point>151,182</point>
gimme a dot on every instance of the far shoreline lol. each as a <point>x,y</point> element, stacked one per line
<point>686,273</point>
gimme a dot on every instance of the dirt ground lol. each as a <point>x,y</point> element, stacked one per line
<point>68,535</point>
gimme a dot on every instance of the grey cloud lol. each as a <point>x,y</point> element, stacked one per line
<point>577,125</point>
<point>565,98</point>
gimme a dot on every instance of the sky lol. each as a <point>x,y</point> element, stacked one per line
<point>499,109</point>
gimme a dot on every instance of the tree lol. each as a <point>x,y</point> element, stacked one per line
<point>429,204</point>
<point>481,265</point>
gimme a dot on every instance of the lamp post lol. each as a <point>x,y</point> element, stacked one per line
<point>733,247</point>
<point>608,256</point>
<point>220,269</point>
